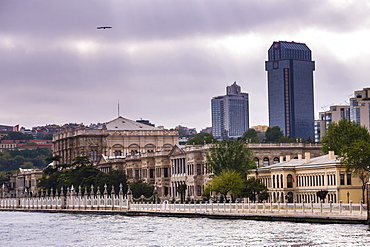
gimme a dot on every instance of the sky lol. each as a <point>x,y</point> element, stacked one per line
<point>163,60</point>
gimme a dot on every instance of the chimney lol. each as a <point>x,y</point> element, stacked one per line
<point>299,156</point>
<point>288,158</point>
<point>331,155</point>
<point>307,156</point>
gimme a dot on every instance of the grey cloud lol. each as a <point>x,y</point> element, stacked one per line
<point>168,20</point>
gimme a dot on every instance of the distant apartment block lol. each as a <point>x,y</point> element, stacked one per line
<point>4,129</point>
<point>230,113</point>
<point>360,107</point>
<point>357,111</point>
<point>333,115</point>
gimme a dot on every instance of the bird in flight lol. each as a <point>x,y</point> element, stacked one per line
<point>103,27</point>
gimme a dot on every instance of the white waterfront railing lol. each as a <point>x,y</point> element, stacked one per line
<point>120,203</point>
<point>348,209</point>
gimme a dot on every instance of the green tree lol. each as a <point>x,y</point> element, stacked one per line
<point>230,155</point>
<point>81,161</point>
<point>228,182</point>
<point>27,165</point>
<point>139,187</point>
<point>15,135</point>
<point>250,135</point>
<point>343,134</point>
<point>202,138</point>
<point>255,189</point>
<point>182,189</point>
<point>30,143</point>
<point>286,139</point>
<point>273,134</point>
<point>356,158</point>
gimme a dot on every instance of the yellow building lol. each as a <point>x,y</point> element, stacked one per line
<point>300,179</point>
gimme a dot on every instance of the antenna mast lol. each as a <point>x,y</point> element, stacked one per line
<point>118,108</point>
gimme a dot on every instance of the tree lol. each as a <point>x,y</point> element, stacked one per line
<point>273,134</point>
<point>250,135</point>
<point>286,139</point>
<point>228,182</point>
<point>15,135</point>
<point>81,161</point>
<point>202,138</point>
<point>356,158</point>
<point>139,188</point>
<point>230,155</point>
<point>255,189</point>
<point>350,141</point>
<point>27,165</point>
<point>342,134</point>
<point>182,189</point>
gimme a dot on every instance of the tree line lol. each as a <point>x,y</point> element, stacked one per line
<point>15,135</point>
<point>272,134</point>
<point>11,160</point>
<point>82,174</point>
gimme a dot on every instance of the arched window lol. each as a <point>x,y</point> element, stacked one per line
<point>289,179</point>
<point>167,147</point>
<point>117,149</point>
<point>134,149</point>
<point>266,161</point>
<point>149,148</point>
<point>257,161</point>
<point>282,181</point>
<point>276,160</point>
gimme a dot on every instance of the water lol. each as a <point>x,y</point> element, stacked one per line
<point>59,229</point>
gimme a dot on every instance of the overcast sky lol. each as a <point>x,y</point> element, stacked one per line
<point>164,60</point>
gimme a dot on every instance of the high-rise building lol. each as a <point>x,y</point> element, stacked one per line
<point>333,115</point>
<point>290,89</point>
<point>230,113</point>
<point>360,107</point>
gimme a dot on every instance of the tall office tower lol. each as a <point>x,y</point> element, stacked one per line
<point>230,113</point>
<point>360,107</point>
<point>290,89</point>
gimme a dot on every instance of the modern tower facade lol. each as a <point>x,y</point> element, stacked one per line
<point>230,113</point>
<point>360,107</point>
<point>290,89</point>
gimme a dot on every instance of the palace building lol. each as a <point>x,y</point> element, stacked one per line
<point>300,179</point>
<point>119,137</point>
<point>145,152</point>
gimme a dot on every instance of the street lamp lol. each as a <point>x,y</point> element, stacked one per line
<point>348,197</point>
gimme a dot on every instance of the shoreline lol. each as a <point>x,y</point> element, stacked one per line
<point>321,219</point>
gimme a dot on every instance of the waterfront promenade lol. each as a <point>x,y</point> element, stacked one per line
<point>118,204</point>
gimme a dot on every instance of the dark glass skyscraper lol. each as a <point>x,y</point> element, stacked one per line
<point>290,89</point>
<point>230,113</point>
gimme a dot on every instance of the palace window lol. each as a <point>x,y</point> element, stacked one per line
<point>256,161</point>
<point>289,181</point>
<point>199,190</point>
<point>342,179</point>
<point>349,179</point>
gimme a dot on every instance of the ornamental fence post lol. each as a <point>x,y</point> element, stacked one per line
<point>311,206</point>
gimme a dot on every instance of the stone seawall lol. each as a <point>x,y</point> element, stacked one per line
<point>298,218</point>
